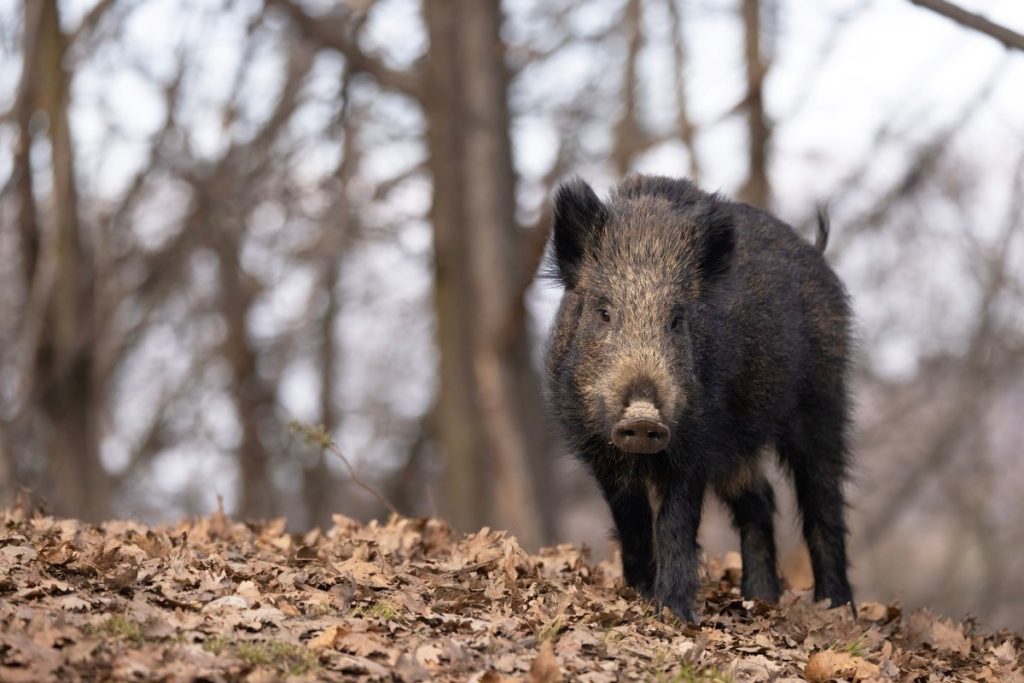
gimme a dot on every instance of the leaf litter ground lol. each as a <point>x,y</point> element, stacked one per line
<point>410,600</point>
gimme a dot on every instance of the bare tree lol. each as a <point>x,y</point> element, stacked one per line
<point>489,424</point>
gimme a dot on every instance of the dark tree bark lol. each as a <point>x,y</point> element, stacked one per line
<point>629,137</point>
<point>757,188</point>
<point>486,415</point>
<point>318,485</point>
<point>65,385</point>
<point>254,397</point>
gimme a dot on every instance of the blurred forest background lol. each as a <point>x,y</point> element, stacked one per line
<point>217,216</point>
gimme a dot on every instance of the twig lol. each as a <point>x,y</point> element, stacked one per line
<point>1010,38</point>
<point>318,436</point>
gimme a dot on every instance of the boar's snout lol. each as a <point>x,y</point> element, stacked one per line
<point>640,430</point>
<point>640,436</point>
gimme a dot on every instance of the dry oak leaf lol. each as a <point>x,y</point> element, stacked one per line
<point>873,611</point>
<point>325,639</point>
<point>491,677</point>
<point>949,636</point>
<point>226,603</point>
<point>363,573</point>
<point>732,567</point>
<point>828,664</point>
<point>16,554</point>
<point>249,591</point>
<point>72,603</point>
<point>358,643</point>
<point>941,634</point>
<point>545,667</point>
<point>429,655</point>
<point>1005,654</point>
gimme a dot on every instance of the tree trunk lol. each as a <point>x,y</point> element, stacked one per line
<point>757,188</point>
<point>318,484</point>
<point>254,399</point>
<point>464,500</point>
<point>68,390</point>
<point>487,417</point>
<point>629,138</point>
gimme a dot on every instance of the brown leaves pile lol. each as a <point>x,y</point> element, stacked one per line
<point>410,601</point>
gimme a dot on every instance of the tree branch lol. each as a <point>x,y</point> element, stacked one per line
<point>1011,39</point>
<point>91,20</point>
<point>321,32</point>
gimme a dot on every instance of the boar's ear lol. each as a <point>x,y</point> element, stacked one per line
<point>718,239</point>
<point>579,218</point>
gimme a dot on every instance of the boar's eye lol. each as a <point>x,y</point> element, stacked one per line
<point>606,316</point>
<point>676,324</point>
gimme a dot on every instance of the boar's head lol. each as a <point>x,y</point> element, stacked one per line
<point>646,271</point>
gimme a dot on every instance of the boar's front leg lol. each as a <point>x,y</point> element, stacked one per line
<point>676,549</point>
<point>631,512</point>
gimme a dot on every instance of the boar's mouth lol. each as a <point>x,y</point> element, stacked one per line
<point>640,430</point>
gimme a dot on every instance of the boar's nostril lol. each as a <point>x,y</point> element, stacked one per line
<point>640,436</point>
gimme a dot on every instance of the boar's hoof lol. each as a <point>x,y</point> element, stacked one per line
<point>680,609</point>
<point>640,436</point>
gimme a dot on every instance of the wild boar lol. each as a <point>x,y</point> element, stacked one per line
<point>695,334</point>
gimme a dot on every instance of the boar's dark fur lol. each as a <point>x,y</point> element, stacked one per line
<point>694,335</point>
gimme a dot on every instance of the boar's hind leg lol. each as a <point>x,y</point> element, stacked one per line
<point>816,455</point>
<point>631,512</point>
<point>751,501</point>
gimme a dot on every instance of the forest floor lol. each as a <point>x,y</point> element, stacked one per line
<point>409,600</point>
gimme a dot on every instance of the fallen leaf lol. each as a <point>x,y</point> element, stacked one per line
<point>429,655</point>
<point>949,636</point>
<point>249,591</point>
<point>1005,653</point>
<point>362,644</point>
<point>545,667</point>
<point>227,603</point>
<point>825,665</point>
<point>872,611</point>
<point>325,639</point>
<point>364,573</point>
<point>411,600</point>
<point>73,603</point>
<point>732,567</point>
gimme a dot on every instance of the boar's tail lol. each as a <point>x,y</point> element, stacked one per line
<point>821,241</point>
